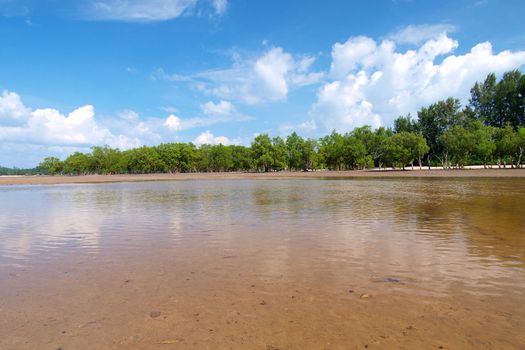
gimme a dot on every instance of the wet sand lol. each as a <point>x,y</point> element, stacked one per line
<point>435,173</point>
<point>423,263</point>
<point>219,301</point>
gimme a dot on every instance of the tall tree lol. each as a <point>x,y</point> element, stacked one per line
<point>220,158</point>
<point>242,157</point>
<point>51,165</point>
<point>458,143</point>
<point>483,101</point>
<point>278,153</point>
<point>105,160</point>
<point>484,145</point>
<point>262,151</point>
<point>143,160</point>
<point>294,151</point>
<point>331,151</point>
<point>510,101</point>
<point>76,164</point>
<point>405,124</point>
<point>309,155</point>
<point>435,120</point>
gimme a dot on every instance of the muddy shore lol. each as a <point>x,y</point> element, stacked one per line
<point>47,180</point>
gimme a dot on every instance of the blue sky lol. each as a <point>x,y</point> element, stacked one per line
<point>74,74</point>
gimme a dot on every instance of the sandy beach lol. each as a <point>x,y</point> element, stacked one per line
<point>59,179</point>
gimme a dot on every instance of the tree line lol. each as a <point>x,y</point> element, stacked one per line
<point>18,171</point>
<point>489,131</point>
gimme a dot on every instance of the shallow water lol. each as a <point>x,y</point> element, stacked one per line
<point>269,264</point>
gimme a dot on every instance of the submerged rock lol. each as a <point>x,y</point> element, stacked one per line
<point>154,314</point>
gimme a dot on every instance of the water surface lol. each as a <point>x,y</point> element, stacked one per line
<point>269,264</point>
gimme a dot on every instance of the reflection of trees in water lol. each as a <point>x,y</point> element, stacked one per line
<point>482,217</point>
<point>487,216</point>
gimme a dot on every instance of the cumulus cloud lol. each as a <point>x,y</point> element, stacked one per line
<point>173,122</point>
<point>47,131</point>
<point>12,110</point>
<point>221,108</point>
<point>148,11</point>
<point>268,77</point>
<point>50,127</point>
<point>373,83</point>
<point>207,138</point>
<point>213,113</point>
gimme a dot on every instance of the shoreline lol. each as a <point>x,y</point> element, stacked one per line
<point>435,173</point>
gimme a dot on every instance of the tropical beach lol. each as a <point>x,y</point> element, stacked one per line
<point>267,175</point>
<point>264,263</point>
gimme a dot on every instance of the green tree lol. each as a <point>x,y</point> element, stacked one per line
<point>143,160</point>
<point>417,145</point>
<point>520,146</point>
<point>309,155</point>
<point>331,151</point>
<point>404,148</point>
<point>435,120</point>
<point>241,157</point>
<point>178,157</point>
<point>483,101</point>
<point>76,164</point>
<point>458,143</point>
<point>295,152</point>
<point>510,101</point>
<point>105,160</point>
<point>376,148</point>
<point>262,151</point>
<point>405,124</point>
<point>278,153</point>
<point>484,145</point>
<point>51,165</point>
<point>510,145</point>
<point>220,158</point>
<point>355,155</point>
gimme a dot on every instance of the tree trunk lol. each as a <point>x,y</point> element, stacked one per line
<point>518,161</point>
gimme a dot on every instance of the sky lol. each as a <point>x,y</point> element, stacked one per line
<point>127,73</point>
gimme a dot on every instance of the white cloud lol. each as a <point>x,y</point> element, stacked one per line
<point>305,127</point>
<point>47,131</point>
<point>12,110</point>
<point>309,125</point>
<point>148,11</point>
<point>221,108</point>
<point>49,127</point>
<point>347,56</point>
<point>173,122</point>
<point>372,83</point>
<point>268,77</point>
<point>220,6</point>
<point>416,34</point>
<point>129,115</point>
<point>214,113</point>
<point>139,10</point>
<point>207,138</point>
<point>169,109</point>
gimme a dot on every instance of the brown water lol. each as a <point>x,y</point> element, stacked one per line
<point>264,264</point>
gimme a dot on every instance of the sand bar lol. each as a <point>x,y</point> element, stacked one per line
<point>47,180</point>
